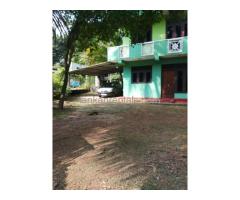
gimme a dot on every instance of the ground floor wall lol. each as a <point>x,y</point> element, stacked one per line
<point>180,95</point>
<point>152,89</point>
<point>146,90</point>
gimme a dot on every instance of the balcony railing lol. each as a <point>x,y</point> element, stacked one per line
<point>149,50</point>
<point>124,51</point>
<point>175,45</point>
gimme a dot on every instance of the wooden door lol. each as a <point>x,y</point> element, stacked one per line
<point>168,83</point>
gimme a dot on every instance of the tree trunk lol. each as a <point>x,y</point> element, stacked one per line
<point>67,62</point>
<point>64,88</point>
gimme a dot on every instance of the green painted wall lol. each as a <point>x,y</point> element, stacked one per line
<point>147,90</point>
<point>180,95</point>
<point>135,51</point>
<point>166,61</point>
<point>159,30</point>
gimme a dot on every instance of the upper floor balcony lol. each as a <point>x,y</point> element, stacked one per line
<point>149,50</point>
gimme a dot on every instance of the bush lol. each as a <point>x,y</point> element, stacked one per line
<point>57,79</point>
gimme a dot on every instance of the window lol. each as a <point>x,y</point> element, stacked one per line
<point>185,29</point>
<point>149,35</point>
<point>143,37</point>
<point>134,77</point>
<point>181,79</point>
<point>169,31</point>
<point>141,77</point>
<point>142,74</point>
<point>148,77</point>
<point>176,30</point>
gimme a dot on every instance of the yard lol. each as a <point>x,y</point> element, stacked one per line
<point>120,146</point>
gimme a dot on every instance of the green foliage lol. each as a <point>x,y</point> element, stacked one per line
<point>116,78</point>
<point>175,15</point>
<point>57,79</point>
<point>89,82</point>
<point>58,50</point>
<point>78,77</point>
<point>86,28</point>
<point>95,54</point>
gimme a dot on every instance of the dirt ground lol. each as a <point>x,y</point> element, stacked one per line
<point>120,146</point>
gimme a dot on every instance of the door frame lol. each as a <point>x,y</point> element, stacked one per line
<point>175,68</point>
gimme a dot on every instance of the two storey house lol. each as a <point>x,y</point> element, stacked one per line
<point>157,66</point>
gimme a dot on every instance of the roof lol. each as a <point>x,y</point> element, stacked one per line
<point>75,66</point>
<point>99,69</point>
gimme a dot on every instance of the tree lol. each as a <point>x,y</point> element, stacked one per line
<point>57,79</point>
<point>78,28</point>
<point>69,24</point>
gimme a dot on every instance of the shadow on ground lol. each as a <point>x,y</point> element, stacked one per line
<point>65,151</point>
<point>120,147</point>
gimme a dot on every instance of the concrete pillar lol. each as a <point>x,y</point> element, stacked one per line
<point>126,41</point>
<point>97,82</point>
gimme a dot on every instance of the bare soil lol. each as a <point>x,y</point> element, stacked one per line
<point>120,146</point>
